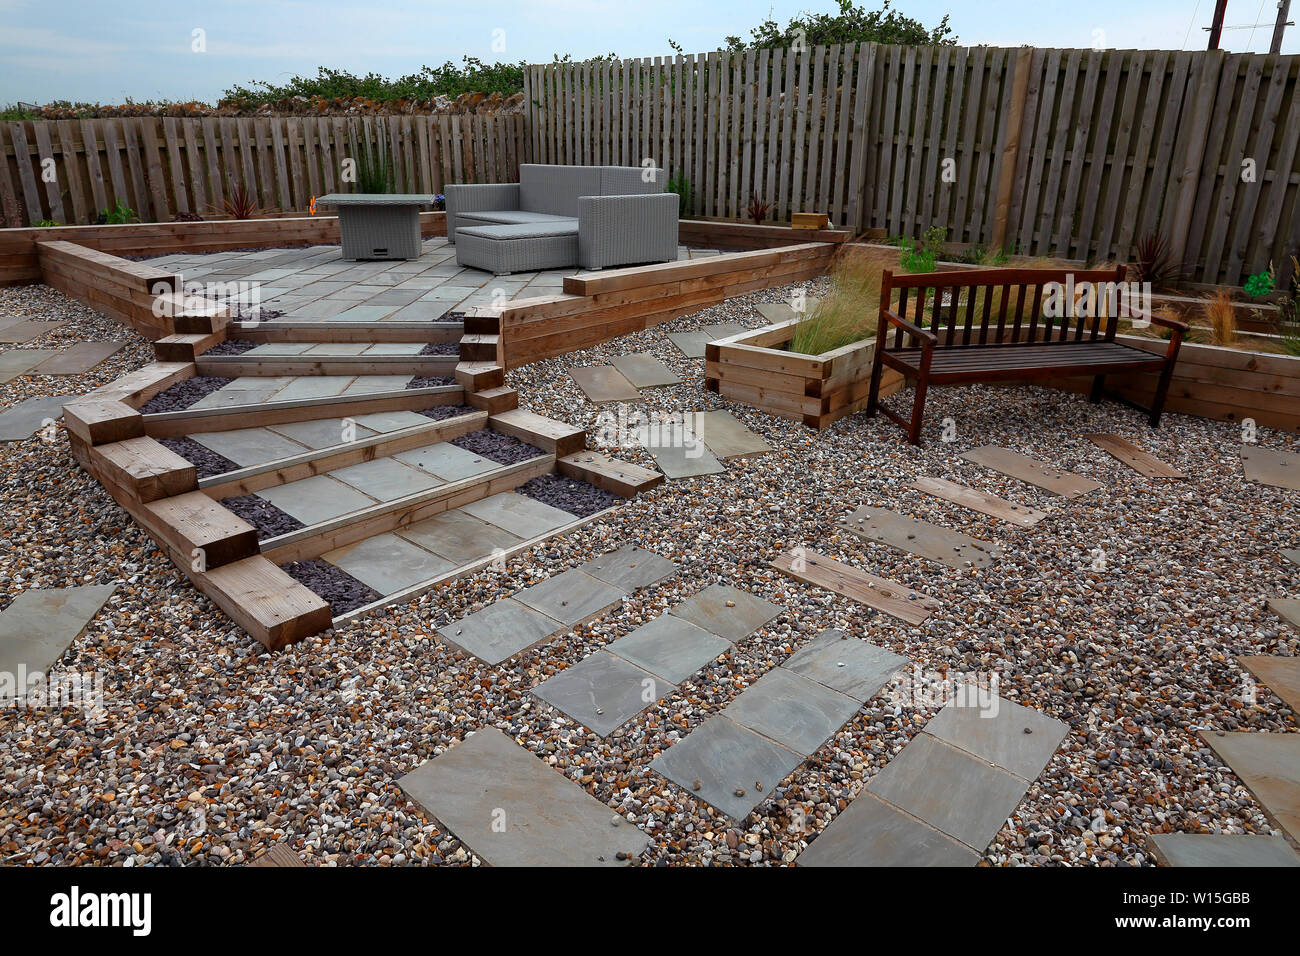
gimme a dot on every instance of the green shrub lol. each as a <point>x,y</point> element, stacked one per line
<point>921,257</point>
<point>680,185</point>
<point>119,215</point>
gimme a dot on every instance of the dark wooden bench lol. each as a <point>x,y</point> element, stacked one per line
<point>989,325</point>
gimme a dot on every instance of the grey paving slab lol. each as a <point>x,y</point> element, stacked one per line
<point>365,313</point>
<point>284,348</point>
<point>678,452</point>
<point>1221,849</point>
<point>725,436</point>
<point>41,623</point>
<point>571,597</point>
<point>512,809</point>
<point>80,358</point>
<point>22,421</point>
<point>1292,555</point>
<point>851,666</point>
<point>322,432</point>
<point>643,370</point>
<point>522,516</point>
<point>500,631</point>
<point>690,344</point>
<point>1005,734</point>
<point>395,348</point>
<point>314,386</point>
<point>1271,466</point>
<point>365,384</point>
<point>228,397</point>
<point>391,421</point>
<point>723,330</point>
<point>630,567</point>
<point>258,383</point>
<point>873,833</point>
<point>16,362</point>
<point>386,478</point>
<point>726,611</point>
<point>388,563</point>
<point>449,462</point>
<point>1268,764</point>
<point>315,499</point>
<point>669,647</point>
<point>794,711</point>
<point>911,535</point>
<point>1288,609</point>
<point>250,446</point>
<point>1281,675</point>
<point>603,692</point>
<point>26,331</point>
<point>949,789</point>
<point>727,766</point>
<point>604,383</point>
<point>459,537</point>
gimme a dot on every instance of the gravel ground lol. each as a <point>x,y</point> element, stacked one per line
<point>212,750</point>
<point>341,590</point>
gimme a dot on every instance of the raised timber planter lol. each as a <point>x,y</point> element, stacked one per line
<point>754,368</point>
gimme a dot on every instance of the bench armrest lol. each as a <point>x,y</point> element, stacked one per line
<point>928,339</point>
<point>474,197</point>
<point>1179,329</point>
<point>623,230</point>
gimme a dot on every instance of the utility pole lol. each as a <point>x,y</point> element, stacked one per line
<point>1283,8</point>
<point>1216,29</point>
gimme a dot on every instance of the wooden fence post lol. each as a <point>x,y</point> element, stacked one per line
<point>1011,146</point>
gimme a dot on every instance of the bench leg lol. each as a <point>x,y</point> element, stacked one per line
<point>918,411</point>
<point>873,390</point>
<point>1162,389</point>
<point>1098,383</point>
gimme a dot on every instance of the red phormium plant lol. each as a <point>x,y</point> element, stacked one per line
<point>241,204</point>
<point>1154,263</point>
<point>758,209</point>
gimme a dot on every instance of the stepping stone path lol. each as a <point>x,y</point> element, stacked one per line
<point>724,435</point>
<point>603,384</point>
<point>1268,765</point>
<point>952,548</point>
<point>678,451</point>
<point>980,501</point>
<point>560,603</point>
<point>1140,461</point>
<point>1221,849</point>
<point>1031,471</point>
<point>20,422</point>
<point>40,624</point>
<point>1288,609</point>
<point>847,581</point>
<point>25,331</point>
<point>1281,675</point>
<point>16,362</point>
<point>1268,466</point>
<point>78,359</point>
<point>511,809</point>
<point>690,344</point>
<point>947,793</point>
<point>736,758</point>
<point>605,690</point>
<point>645,371</point>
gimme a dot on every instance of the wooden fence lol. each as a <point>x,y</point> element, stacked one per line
<point>69,170</point>
<point>1070,153</point>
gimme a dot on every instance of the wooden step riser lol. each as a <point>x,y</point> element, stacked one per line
<point>480,376</point>
<point>482,324</point>
<point>479,352</point>
<point>352,332</point>
<point>315,540</point>
<point>558,438</point>
<point>185,347</point>
<point>494,400</point>
<point>235,366</point>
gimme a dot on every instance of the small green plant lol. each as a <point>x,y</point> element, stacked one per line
<point>44,223</point>
<point>680,185</point>
<point>1260,284</point>
<point>375,170</point>
<point>1288,310</point>
<point>119,215</point>
<point>921,257</point>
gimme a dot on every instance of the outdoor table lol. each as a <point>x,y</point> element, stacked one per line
<point>379,225</point>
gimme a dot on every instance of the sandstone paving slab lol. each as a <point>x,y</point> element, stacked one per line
<point>951,790</point>
<point>367,384</point>
<point>386,478</point>
<point>630,568</point>
<point>1271,466</point>
<point>724,435</point>
<point>727,612</point>
<point>26,331</point>
<point>1221,849</point>
<point>792,710</point>
<point>228,397</point>
<point>447,461</point>
<point>604,383</point>
<point>722,330</point>
<point>395,348</point>
<point>690,344</point>
<point>315,499</point>
<point>1032,471</point>
<point>1005,734</point>
<point>669,647</point>
<point>1268,765</point>
<point>873,833</point>
<point>645,371</point>
<point>1288,609</point>
<point>500,631</point>
<point>390,421</point>
<point>280,349</point>
<point>851,666</point>
<point>388,563</point>
<point>79,358</point>
<point>41,623</point>
<point>603,692</point>
<point>522,516</point>
<point>512,809</point>
<point>16,362</point>
<point>1292,555</point>
<point>571,597</point>
<point>22,421</point>
<point>314,386</point>
<point>911,535</point>
<point>250,446</point>
<point>1281,675</point>
<point>720,762</point>
<point>459,537</point>
<point>365,313</point>
<point>678,451</point>
<point>322,432</point>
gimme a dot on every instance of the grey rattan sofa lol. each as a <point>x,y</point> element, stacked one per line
<point>558,216</point>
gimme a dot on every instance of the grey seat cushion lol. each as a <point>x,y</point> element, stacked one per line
<point>526,230</point>
<point>510,217</point>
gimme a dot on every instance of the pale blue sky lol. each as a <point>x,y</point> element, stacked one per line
<point>101,50</point>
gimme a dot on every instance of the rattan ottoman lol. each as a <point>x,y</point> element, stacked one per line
<point>523,247</point>
<point>379,225</point>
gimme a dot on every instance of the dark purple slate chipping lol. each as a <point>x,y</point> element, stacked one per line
<point>497,446</point>
<point>430,381</point>
<point>341,590</point>
<point>231,347</point>
<point>184,394</point>
<point>262,515</point>
<point>569,494</point>
<point>451,317</point>
<point>441,348</point>
<point>439,412</point>
<point>205,461</point>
